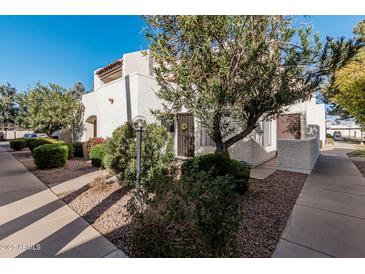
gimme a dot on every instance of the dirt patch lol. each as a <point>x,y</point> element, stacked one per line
<point>103,206</point>
<point>266,209</point>
<point>74,168</point>
<point>360,166</point>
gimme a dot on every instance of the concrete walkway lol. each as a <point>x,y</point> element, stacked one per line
<point>328,219</point>
<point>35,223</point>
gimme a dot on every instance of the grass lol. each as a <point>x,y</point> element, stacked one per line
<point>359,152</point>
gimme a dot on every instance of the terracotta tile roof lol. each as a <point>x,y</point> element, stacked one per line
<point>116,65</point>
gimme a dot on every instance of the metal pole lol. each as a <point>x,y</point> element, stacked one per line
<point>139,149</point>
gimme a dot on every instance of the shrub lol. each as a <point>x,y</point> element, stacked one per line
<point>71,151</point>
<point>329,135</point>
<point>320,143</point>
<point>217,164</point>
<point>17,144</point>
<point>191,219</point>
<point>50,156</point>
<point>78,151</point>
<point>157,155</point>
<point>95,141</point>
<point>97,154</point>
<point>32,143</point>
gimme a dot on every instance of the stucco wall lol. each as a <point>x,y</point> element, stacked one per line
<point>109,103</point>
<point>298,155</point>
<point>143,96</point>
<point>314,114</point>
<point>248,150</point>
<point>137,62</point>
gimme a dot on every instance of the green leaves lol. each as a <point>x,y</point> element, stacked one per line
<point>50,108</point>
<point>239,68</point>
<point>8,109</point>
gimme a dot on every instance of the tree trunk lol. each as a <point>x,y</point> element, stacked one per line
<point>231,141</point>
<point>217,136</point>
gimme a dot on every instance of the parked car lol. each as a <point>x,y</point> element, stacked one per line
<point>337,136</point>
<point>42,135</point>
<point>30,135</point>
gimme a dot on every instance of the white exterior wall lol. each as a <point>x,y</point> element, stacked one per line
<point>109,115</point>
<point>109,104</point>
<point>298,155</point>
<point>313,113</point>
<point>248,150</point>
<point>137,62</point>
<point>143,96</point>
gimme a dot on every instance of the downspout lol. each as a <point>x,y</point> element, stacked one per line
<point>128,98</point>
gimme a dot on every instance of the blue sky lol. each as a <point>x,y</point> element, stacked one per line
<point>66,49</point>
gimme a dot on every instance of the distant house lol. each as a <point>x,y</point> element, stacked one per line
<point>126,88</point>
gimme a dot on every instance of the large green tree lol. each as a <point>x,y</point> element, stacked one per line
<point>349,86</point>
<point>76,126</point>
<point>346,93</point>
<point>8,108</point>
<point>232,71</point>
<point>50,107</point>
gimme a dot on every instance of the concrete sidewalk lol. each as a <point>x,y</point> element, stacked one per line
<point>35,223</point>
<point>328,219</point>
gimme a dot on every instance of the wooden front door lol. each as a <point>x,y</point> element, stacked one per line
<point>289,126</point>
<point>185,135</point>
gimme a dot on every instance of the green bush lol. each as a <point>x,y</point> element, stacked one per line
<point>32,143</point>
<point>191,219</point>
<point>157,155</point>
<point>97,154</point>
<point>17,144</point>
<point>78,151</point>
<point>50,156</point>
<point>328,135</point>
<point>217,164</point>
<point>71,151</point>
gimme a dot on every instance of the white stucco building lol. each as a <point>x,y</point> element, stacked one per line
<point>126,88</point>
<point>122,90</point>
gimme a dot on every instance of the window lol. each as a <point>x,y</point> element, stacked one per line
<point>266,124</point>
<point>205,139</point>
<point>168,124</point>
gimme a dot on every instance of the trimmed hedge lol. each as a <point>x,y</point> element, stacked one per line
<point>50,156</point>
<point>217,164</point>
<point>71,151</point>
<point>97,154</point>
<point>17,144</point>
<point>78,151</point>
<point>32,143</point>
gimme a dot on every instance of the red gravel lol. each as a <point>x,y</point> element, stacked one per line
<point>74,168</point>
<point>266,209</point>
<point>103,206</point>
<point>360,166</point>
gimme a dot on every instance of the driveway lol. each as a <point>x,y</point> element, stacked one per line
<point>328,219</point>
<point>35,223</point>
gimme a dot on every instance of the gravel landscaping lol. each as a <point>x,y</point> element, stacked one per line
<point>265,210</point>
<point>74,168</point>
<point>360,166</point>
<point>103,206</point>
